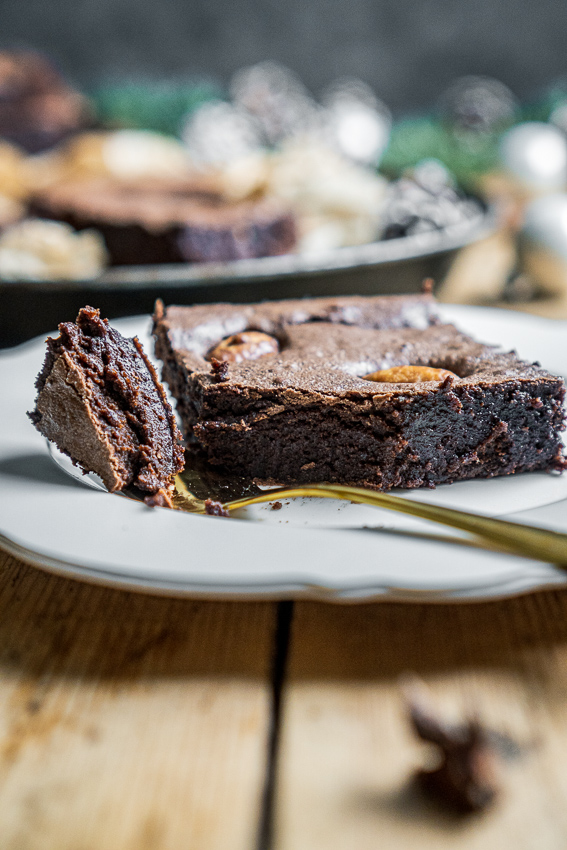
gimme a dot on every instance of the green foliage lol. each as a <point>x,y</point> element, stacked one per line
<point>159,106</point>
<point>414,139</point>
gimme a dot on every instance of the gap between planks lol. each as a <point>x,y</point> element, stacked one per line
<point>131,722</point>
<point>346,753</point>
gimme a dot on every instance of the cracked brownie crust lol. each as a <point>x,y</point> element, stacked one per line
<point>307,413</point>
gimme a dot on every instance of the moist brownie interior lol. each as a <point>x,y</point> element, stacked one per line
<point>100,401</point>
<point>307,413</point>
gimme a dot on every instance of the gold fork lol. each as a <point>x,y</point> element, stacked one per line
<point>494,534</point>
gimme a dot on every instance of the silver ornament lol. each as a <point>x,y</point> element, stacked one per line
<point>219,133</point>
<point>534,155</point>
<point>276,100</point>
<point>475,106</point>
<point>358,125</point>
<point>542,242</point>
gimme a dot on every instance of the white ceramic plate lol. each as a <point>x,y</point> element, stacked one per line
<point>309,548</point>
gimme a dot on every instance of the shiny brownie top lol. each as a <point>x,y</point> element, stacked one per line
<point>326,346</point>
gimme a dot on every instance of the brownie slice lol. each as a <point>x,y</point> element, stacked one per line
<point>161,220</point>
<point>38,108</point>
<point>315,406</point>
<point>100,401</point>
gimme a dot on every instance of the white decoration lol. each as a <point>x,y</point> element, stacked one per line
<point>535,155</point>
<point>545,224</point>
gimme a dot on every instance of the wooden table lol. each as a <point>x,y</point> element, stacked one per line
<point>130,722</point>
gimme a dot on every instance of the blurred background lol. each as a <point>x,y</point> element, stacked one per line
<point>408,52</point>
<point>238,151</point>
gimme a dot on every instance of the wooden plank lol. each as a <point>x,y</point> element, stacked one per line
<point>129,722</point>
<point>347,756</point>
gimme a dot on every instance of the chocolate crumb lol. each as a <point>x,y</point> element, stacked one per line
<point>447,382</point>
<point>219,369</point>
<point>213,508</point>
<point>277,506</point>
<point>465,777</point>
<point>560,463</point>
<point>159,499</point>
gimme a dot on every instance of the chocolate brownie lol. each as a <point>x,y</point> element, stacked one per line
<point>161,220</point>
<point>100,401</point>
<point>315,405</point>
<point>38,109</point>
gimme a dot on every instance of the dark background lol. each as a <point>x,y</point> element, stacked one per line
<point>409,51</point>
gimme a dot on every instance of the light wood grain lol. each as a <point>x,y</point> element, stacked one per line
<point>346,754</point>
<point>129,722</point>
